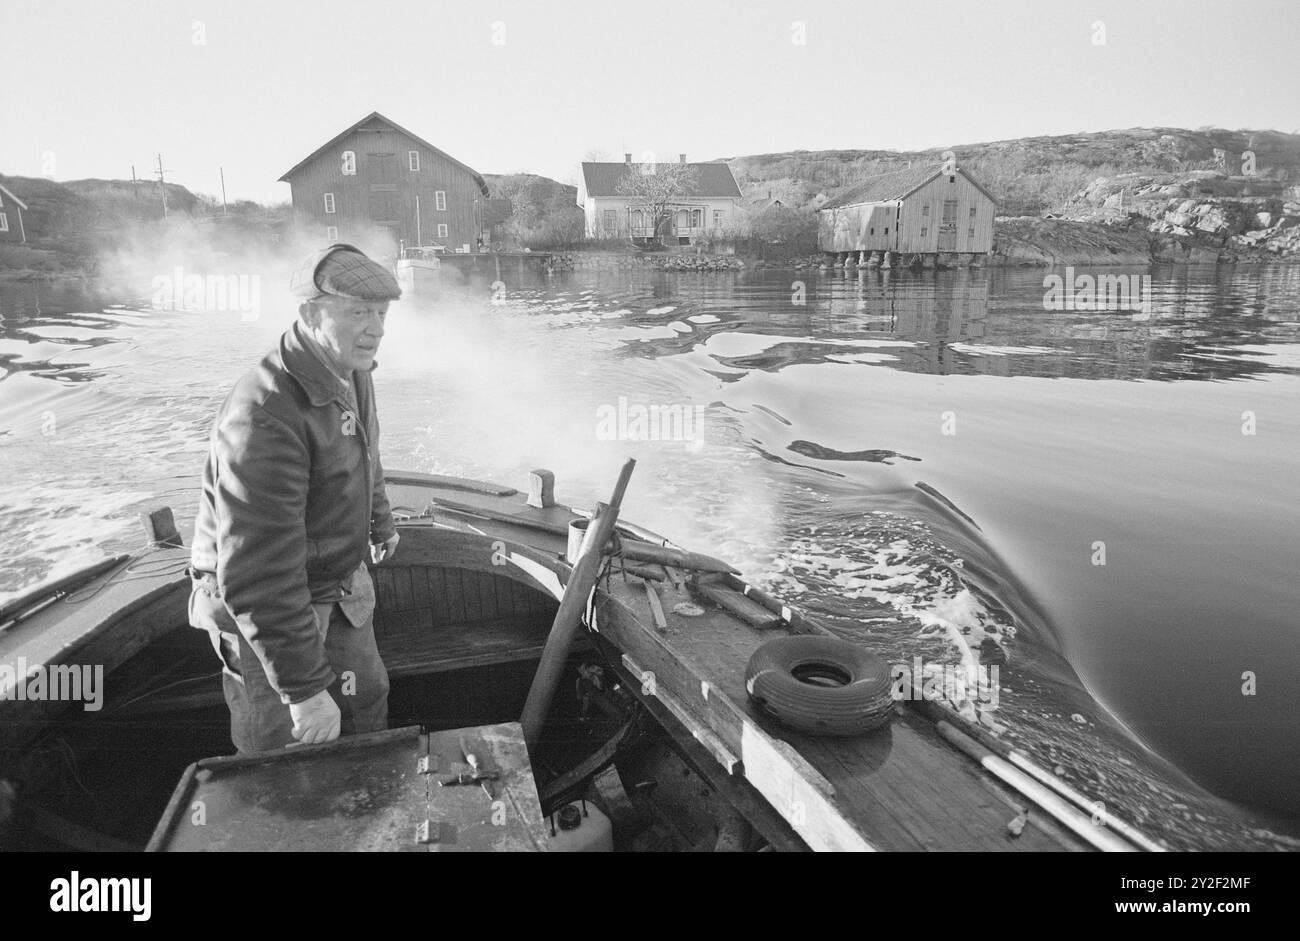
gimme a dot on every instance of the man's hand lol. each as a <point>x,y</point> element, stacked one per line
<point>315,720</point>
<point>383,550</point>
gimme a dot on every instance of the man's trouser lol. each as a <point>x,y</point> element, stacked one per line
<point>259,720</point>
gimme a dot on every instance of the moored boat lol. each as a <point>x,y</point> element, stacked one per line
<point>652,720</point>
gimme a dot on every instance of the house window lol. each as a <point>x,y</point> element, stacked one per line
<point>349,163</point>
<point>331,234</point>
<point>872,230</point>
<point>697,218</point>
<point>923,231</point>
<point>440,200</point>
<point>329,202</point>
<point>413,160</point>
<point>611,220</point>
<point>717,218</point>
<point>442,230</point>
<point>4,222</point>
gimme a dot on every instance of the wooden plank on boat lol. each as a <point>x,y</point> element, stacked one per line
<point>744,608</point>
<point>699,731</point>
<point>799,792</point>
<point>734,788</point>
<point>900,788</point>
<point>656,607</point>
<point>443,482</point>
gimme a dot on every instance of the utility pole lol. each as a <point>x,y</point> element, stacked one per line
<point>222,171</point>
<point>162,186</point>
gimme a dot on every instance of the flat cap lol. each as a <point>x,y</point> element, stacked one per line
<point>346,271</point>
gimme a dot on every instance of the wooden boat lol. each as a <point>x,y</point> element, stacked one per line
<point>653,721</point>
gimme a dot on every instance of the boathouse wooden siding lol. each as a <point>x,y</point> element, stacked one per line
<point>378,203</point>
<point>11,223</point>
<point>916,211</point>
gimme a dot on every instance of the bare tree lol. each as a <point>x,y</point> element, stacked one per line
<point>657,189</point>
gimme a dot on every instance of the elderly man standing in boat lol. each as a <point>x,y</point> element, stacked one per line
<point>293,503</point>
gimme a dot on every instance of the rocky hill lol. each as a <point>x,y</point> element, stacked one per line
<point>1118,197</point>
<point>1030,175</point>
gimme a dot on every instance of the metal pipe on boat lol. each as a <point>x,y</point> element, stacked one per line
<point>938,713</point>
<point>1108,819</point>
<point>1025,763</point>
<point>1062,811</point>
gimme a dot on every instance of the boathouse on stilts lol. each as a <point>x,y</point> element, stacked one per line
<point>928,216</point>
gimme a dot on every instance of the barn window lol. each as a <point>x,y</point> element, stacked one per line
<point>4,222</point>
<point>331,234</point>
<point>925,210</point>
<point>440,200</point>
<point>413,160</point>
<point>972,212</point>
<point>924,230</point>
<point>442,230</point>
<point>329,202</point>
<point>349,163</point>
<point>970,233</point>
<point>886,230</point>
<point>872,230</point>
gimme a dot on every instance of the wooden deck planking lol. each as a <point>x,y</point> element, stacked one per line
<point>905,789</point>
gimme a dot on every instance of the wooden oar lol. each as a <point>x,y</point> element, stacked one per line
<point>586,569</point>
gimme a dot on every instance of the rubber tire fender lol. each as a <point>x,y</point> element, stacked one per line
<point>820,685</point>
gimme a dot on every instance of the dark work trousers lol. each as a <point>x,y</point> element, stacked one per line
<point>259,720</point>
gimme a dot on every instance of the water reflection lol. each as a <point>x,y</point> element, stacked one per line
<point>943,323</point>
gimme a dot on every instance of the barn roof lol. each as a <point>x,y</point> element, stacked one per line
<point>895,185</point>
<point>601,179</point>
<point>376,116</point>
<point>4,189</point>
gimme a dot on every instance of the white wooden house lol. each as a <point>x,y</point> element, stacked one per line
<point>708,211</point>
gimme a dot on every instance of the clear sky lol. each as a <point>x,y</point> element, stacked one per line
<point>90,87</point>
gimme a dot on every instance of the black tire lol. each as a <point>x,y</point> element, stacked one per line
<point>821,685</point>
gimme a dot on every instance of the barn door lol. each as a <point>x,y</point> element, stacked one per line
<point>385,213</point>
<point>948,227</point>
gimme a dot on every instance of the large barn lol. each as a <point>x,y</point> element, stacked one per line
<point>380,185</point>
<point>924,214</point>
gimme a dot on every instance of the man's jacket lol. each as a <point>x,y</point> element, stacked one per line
<point>293,493</point>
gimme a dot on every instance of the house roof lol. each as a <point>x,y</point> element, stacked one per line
<point>896,185</point>
<point>376,116</point>
<point>4,189</point>
<point>765,202</point>
<point>601,179</point>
